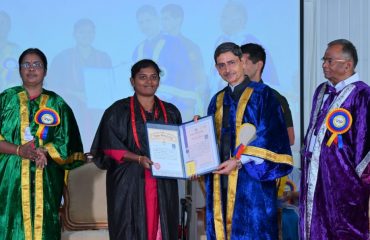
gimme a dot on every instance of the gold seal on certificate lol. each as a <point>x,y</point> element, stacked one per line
<point>183,151</point>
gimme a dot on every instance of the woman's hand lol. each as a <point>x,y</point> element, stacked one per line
<point>195,118</point>
<point>144,161</point>
<point>226,167</point>
<point>28,151</point>
<point>42,159</point>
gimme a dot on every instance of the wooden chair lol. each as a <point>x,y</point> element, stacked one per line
<point>84,211</point>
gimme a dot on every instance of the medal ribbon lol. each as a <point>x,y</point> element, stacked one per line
<point>338,122</point>
<point>142,112</point>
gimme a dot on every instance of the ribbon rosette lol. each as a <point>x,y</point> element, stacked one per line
<point>338,122</point>
<point>239,151</point>
<point>46,117</point>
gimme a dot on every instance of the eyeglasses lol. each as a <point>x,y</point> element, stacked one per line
<point>331,61</point>
<point>231,63</point>
<point>34,65</point>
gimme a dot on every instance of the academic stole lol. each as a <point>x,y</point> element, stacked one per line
<point>36,232</point>
<point>233,177</point>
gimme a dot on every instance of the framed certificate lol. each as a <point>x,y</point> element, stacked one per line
<point>183,151</point>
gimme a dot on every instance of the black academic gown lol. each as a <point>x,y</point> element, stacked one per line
<point>126,181</point>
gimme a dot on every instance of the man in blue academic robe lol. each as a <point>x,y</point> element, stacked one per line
<point>241,200</point>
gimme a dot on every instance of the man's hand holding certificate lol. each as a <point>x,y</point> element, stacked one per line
<point>183,151</point>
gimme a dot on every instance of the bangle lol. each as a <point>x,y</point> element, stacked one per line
<point>17,151</point>
<point>139,159</point>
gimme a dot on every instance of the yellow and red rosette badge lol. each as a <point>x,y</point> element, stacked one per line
<point>46,117</point>
<point>338,122</point>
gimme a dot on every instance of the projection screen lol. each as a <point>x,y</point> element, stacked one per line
<point>91,46</point>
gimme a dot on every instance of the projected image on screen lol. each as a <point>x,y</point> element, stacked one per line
<point>9,53</point>
<point>233,24</point>
<point>91,48</point>
<point>180,59</point>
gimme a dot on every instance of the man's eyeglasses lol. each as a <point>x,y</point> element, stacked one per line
<point>231,63</point>
<point>34,65</point>
<point>331,61</point>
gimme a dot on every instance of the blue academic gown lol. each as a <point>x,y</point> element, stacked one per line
<point>243,205</point>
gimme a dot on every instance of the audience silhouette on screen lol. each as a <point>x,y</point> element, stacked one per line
<point>194,80</point>
<point>233,24</point>
<point>178,56</point>
<point>71,70</point>
<point>9,53</point>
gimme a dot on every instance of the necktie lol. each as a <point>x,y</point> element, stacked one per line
<point>332,93</point>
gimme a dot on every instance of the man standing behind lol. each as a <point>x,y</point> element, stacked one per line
<point>241,203</point>
<point>336,155</point>
<point>254,62</point>
<point>255,58</point>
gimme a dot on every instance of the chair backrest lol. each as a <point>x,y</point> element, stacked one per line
<point>85,204</point>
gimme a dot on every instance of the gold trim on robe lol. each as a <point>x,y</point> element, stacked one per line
<point>25,176</point>
<point>233,177</point>
<point>268,155</point>
<point>36,233</point>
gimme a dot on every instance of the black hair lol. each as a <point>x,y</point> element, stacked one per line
<point>36,51</point>
<point>228,47</point>
<point>144,63</point>
<point>256,53</point>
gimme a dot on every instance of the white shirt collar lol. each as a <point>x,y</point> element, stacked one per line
<point>342,84</point>
<point>233,87</point>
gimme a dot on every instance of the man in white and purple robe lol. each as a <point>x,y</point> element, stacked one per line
<point>335,180</point>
